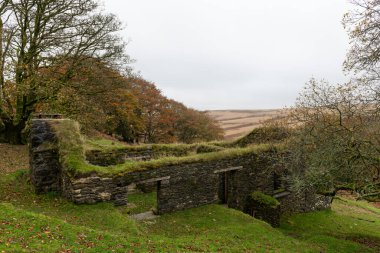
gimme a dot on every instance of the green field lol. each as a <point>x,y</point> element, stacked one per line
<point>48,223</point>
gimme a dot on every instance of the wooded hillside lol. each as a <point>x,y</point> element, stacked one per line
<point>68,57</point>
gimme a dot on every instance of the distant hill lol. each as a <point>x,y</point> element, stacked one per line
<point>237,123</point>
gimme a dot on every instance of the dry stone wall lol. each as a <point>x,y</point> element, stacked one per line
<point>180,186</point>
<point>44,159</point>
<point>102,158</point>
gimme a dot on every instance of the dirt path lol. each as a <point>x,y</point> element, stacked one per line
<point>13,157</point>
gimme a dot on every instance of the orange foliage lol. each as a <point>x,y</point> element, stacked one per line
<point>132,108</point>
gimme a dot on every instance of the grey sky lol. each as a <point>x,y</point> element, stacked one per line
<point>234,54</point>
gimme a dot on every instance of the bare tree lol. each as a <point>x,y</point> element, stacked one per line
<point>338,139</point>
<point>363,27</point>
<point>338,142</point>
<point>4,45</point>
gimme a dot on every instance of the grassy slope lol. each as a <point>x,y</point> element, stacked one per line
<point>47,223</point>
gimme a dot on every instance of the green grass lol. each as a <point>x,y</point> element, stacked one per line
<point>48,223</point>
<point>103,144</point>
<point>25,231</point>
<point>214,228</point>
<point>337,230</point>
<point>15,189</point>
<point>142,202</point>
<point>361,204</point>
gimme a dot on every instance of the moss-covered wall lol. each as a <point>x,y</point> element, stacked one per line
<point>264,207</point>
<point>106,153</point>
<point>228,175</point>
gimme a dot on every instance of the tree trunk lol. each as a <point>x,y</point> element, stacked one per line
<point>1,63</point>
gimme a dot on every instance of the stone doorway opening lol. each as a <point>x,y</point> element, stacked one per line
<point>223,187</point>
<point>145,199</point>
<point>225,177</point>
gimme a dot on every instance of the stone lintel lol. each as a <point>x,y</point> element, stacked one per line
<point>228,169</point>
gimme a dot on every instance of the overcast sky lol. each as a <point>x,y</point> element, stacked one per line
<point>234,54</point>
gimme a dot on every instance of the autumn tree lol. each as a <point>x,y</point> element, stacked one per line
<point>157,118</point>
<point>38,34</point>
<point>194,126</point>
<point>97,96</point>
<point>166,120</point>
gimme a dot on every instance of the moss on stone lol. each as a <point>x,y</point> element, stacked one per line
<point>207,148</point>
<point>70,144</point>
<point>158,150</point>
<point>205,157</point>
<point>264,199</point>
<point>72,153</point>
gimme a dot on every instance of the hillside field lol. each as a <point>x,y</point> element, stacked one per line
<point>237,123</point>
<point>48,223</point>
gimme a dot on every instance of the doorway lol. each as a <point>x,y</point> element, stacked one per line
<point>225,183</point>
<point>223,187</point>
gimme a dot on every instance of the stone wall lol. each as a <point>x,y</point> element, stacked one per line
<point>107,158</point>
<point>119,156</point>
<point>92,189</point>
<point>303,202</point>
<point>179,186</point>
<point>186,185</point>
<point>263,212</point>
<point>44,159</point>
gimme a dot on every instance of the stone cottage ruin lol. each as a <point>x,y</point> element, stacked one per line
<point>184,176</point>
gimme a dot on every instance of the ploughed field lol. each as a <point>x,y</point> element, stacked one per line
<point>48,223</point>
<point>237,123</point>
